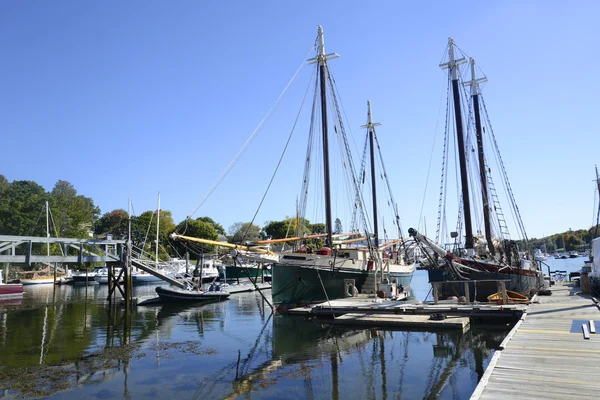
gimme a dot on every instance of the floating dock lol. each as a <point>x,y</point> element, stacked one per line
<point>365,310</point>
<point>551,353</point>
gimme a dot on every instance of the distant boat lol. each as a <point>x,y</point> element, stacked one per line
<point>182,295</point>
<point>573,254</point>
<point>141,277</point>
<point>540,256</point>
<point>83,277</point>
<point>101,275</point>
<point>33,278</point>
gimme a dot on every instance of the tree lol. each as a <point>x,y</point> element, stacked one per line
<point>114,222</point>
<point>74,215</point>
<point>318,228</point>
<point>144,231</point>
<point>21,208</point>
<point>218,227</point>
<point>197,229</point>
<point>244,231</point>
<point>338,226</point>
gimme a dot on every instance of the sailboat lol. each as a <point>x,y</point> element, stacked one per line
<point>483,264</point>
<point>341,268</point>
<point>344,265</point>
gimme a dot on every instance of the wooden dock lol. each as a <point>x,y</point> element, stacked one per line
<point>387,313</point>
<point>546,355</point>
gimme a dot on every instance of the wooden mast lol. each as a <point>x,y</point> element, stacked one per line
<point>321,59</point>
<point>452,65</point>
<point>474,83</point>
<point>371,127</point>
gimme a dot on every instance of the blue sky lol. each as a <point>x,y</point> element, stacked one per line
<point>125,99</point>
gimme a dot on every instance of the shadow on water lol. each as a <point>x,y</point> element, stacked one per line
<point>69,344</point>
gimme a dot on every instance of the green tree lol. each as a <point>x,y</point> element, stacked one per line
<point>197,229</point>
<point>114,222</point>
<point>318,228</point>
<point>218,227</point>
<point>74,215</point>
<point>337,229</point>
<point>21,208</point>
<point>144,227</point>
<point>244,231</point>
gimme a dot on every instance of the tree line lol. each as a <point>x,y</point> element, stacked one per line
<point>22,213</point>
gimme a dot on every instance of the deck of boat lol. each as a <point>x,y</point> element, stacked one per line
<point>546,356</point>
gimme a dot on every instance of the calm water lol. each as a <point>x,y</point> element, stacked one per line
<point>66,343</point>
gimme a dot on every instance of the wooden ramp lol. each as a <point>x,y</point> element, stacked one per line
<point>546,355</point>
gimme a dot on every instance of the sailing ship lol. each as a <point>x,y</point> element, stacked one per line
<point>343,265</point>
<point>483,263</point>
<point>341,268</point>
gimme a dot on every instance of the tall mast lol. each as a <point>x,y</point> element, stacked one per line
<point>371,127</point>
<point>597,179</point>
<point>452,65</point>
<point>474,83</point>
<point>321,59</point>
<point>157,228</point>
<point>47,229</point>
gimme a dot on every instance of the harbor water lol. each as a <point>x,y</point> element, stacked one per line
<point>65,342</point>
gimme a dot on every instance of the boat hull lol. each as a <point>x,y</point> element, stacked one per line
<point>145,278</point>
<point>38,281</point>
<point>235,273</point>
<point>296,285</point>
<point>82,279</point>
<point>523,282</point>
<point>9,290</point>
<point>180,295</point>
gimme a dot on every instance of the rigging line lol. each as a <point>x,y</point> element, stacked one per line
<point>348,159</point>
<point>308,160</point>
<point>389,187</point>
<point>287,143</point>
<point>250,139</point>
<point>147,233</point>
<point>444,157</point>
<point>55,230</point>
<point>505,175</point>
<point>32,230</point>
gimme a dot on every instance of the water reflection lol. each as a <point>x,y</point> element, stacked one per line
<point>69,343</point>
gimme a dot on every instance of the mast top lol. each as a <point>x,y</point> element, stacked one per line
<point>370,125</point>
<point>474,82</point>
<point>321,57</point>
<point>452,61</point>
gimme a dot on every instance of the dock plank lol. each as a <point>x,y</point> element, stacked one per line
<point>546,357</point>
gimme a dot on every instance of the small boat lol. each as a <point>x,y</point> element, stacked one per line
<point>10,290</point>
<point>513,298</point>
<point>142,277</point>
<point>81,278</point>
<point>38,280</point>
<point>182,295</point>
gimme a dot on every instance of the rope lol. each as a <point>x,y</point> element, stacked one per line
<point>278,164</point>
<point>249,140</point>
<point>325,291</point>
